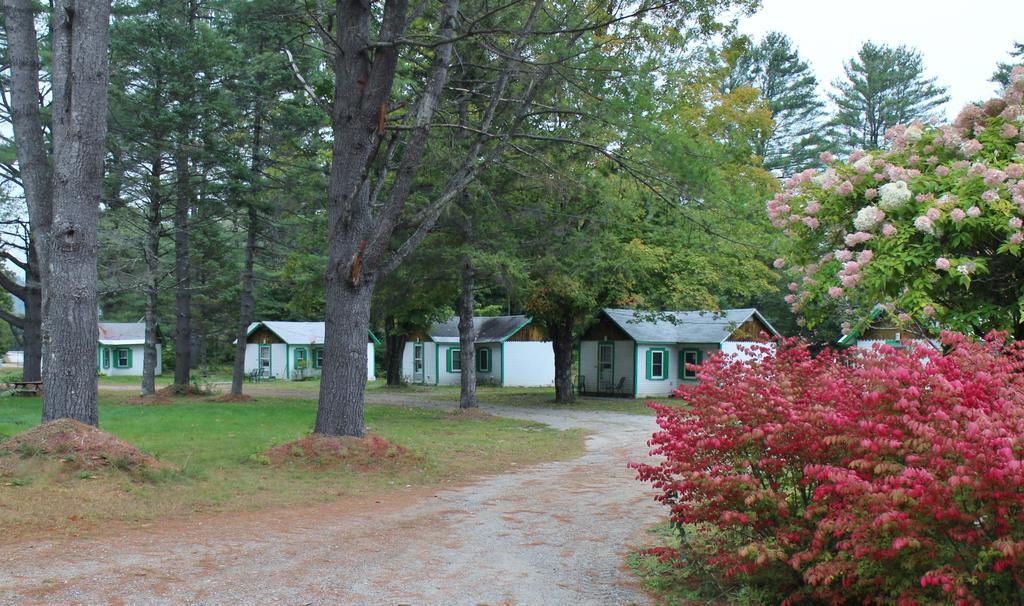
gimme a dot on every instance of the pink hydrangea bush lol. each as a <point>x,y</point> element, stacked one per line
<point>942,194</point>
<point>877,477</point>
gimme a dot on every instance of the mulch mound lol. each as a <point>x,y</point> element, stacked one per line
<point>229,397</point>
<point>368,453</point>
<point>468,414</point>
<point>80,446</point>
<point>183,390</point>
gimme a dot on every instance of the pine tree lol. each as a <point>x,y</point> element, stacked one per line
<point>790,90</point>
<point>883,87</point>
<point>1002,73</point>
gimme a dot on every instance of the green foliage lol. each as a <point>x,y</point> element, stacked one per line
<point>1002,73</point>
<point>787,85</point>
<point>883,87</point>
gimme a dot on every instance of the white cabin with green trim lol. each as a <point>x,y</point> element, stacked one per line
<point>292,350</point>
<point>879,328</point>
<point>121,349</point>
<point>510,351</point>
<point>643,354</point>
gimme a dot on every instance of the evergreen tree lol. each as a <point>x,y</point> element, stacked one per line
<point>789,88</point>
<point>1002,73</point>
<point>883,87</point>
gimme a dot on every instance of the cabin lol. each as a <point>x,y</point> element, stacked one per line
<point>292,350</point>
<point>882,330</point>
<point>640,354</point>
<point>510,352</point>
<point>121,349</point>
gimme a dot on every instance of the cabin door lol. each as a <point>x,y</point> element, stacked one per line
<point>265,366</point>
<point>417,363</point>
<point>605,366</point>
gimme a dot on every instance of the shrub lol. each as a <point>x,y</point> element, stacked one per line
<point>887,476</point>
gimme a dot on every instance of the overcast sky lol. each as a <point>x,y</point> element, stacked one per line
<point>960,40</point>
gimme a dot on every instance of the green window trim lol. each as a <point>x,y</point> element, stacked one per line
<point>698,359</point>
<point>450,358</point>
<point>483,360</point>
<point>127,363</point>
<point>663,374</point>
<point>106,357</point>
<point>300,357</point>
<point>318,357</point>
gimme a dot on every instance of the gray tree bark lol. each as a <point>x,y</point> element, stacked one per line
<point>248,304</point>
<point>70,334</point>
<point>182,270</point>
<point>34,167</point>
<point>248,301</point>
<point>467,337</point>
<point>152,255</point>
<point>561,334</point>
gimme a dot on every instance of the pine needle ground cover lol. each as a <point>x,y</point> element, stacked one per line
<point>220,457</point>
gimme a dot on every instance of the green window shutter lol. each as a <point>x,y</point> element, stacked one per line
<point>649,368</point>
<point>130,357</point>
<point>106,357</point>
<point>448,359</point>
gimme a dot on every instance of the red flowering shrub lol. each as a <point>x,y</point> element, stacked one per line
<point>879,477</point>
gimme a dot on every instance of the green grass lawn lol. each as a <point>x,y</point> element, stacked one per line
<point>525,397</point>
<point>212,444</point>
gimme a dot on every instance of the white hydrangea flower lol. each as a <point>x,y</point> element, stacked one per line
<point>868,218</point>
<point>924,225</point>
<point>913,133</point>
<point>864,164</point>
<point>893,195</point>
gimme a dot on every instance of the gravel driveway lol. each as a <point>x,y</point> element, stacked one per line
<point>551,534</point>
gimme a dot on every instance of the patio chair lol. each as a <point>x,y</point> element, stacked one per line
<point>621,385</point>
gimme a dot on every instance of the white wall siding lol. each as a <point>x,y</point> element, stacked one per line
<point>370,366</point>
<point>529,364</point>
<point>138,358</point>
<point>443,376</point>
<point>661,388</point>
<point>735,349</point>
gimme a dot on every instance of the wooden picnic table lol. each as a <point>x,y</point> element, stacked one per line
<point>27,388</point>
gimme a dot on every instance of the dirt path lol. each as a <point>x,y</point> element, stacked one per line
<point>552,534</point>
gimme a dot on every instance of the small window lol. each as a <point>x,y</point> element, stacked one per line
<point>657,364</point>
<point>122,358</point>
<point>483,360</point>
<point>318,357</point>
<point>687,359</point>
<point>455,360</point>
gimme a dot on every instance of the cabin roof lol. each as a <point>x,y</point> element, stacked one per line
<point>122,333</point>
<point>298,333</point>
<point>493,329</point>
<point>684,326</point>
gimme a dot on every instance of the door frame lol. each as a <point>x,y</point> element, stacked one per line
<point>603,385</point>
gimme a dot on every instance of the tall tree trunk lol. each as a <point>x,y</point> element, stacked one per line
<point>32,330</point>
<point>34,167</point>
<point>467,337</point>
<point>343,381</point>
<point>152,255</point>
<point>182,271</point>
<point>70,333</point>
<point>561,333</point>
<point>395,342</point>
<point>248,304</point>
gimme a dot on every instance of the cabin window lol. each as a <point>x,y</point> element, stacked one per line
<point>455,360</point>
<point>106,358</point>
<point>300,357</point>
<point>688,357</point>
<point>657,364</point>
<point>483,360</point>
<point>122,358</point>
<point>318,357</point>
